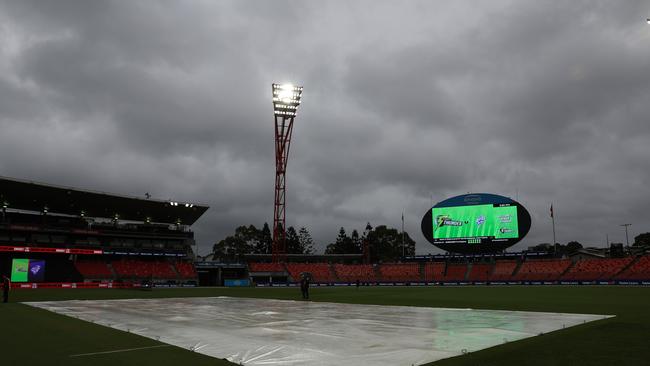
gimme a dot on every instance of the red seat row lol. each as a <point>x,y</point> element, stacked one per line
<point>479,272</point>
<point>93,269</point>
<point>640,270</point>
<point>185,270</point>
<point>596,269</point>
<point>354,272</point>
<point>455,272</point>
<point>542,270</point>
<point>503,270</point>
<point>320,271</point>
<point>400,272</point>
<point>266,267</point>
<point>134,268</point>
<point>434,271</point>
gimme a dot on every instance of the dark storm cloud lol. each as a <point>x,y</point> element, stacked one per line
<point>544,101</point>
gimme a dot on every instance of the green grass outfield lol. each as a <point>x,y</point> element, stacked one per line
<point>30,336</point>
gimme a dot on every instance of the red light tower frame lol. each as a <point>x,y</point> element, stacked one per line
<point>286,99</point>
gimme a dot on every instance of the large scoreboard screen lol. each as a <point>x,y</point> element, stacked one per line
<point>476,223</point>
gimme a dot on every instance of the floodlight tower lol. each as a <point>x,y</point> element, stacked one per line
<point>286,99</point>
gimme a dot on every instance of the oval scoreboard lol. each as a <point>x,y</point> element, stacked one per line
<point>476,223</point>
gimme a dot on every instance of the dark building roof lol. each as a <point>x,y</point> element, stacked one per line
<point>32,196</point>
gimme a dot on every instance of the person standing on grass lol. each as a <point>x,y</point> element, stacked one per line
<point>307,288</point>
<point>304,287</point>
<point>6,285</point>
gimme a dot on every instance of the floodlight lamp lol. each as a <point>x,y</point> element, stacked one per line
<point>647,20</point>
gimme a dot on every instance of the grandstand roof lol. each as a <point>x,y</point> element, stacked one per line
<point>32,196</point>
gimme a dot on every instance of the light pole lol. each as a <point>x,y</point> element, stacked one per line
<point>627,242</point>
<point>286,99</point>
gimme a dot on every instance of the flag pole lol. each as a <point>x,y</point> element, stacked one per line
<point>403,247</point>
<point>553,221</point>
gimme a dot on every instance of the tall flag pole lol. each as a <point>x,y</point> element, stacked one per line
<point>553,220</point>
<point>403,247</point>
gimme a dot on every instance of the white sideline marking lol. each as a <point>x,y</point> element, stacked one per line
<point>120,350</point>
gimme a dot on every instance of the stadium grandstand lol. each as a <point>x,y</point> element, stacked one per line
<point>85,238</point>
<point>445,270</point>
<point>93,239</point>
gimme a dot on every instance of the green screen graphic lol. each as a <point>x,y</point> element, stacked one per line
<point>19,270</point>
<point>475,222</point>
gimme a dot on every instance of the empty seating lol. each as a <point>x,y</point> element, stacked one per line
<point>266,267</point>
<point>503,270</point>
<point>400,272</point>
<point>185,270</point>
<point>455,272</point>
<point>354,272</point>
<point>133,268</point>
<point>434,271</point>
<point>479,272</point>
<point>320,271</point>
<point>596,269</point>
<point>640,270</point>
<point>542,270</point>
<point>93,269</point>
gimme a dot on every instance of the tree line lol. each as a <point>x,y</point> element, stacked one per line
<point>251,240</point>
<point>382,242</point>
<point>641,240</point>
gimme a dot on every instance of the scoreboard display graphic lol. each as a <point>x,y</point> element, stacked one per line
<point>27,270</point>
<point>488,221</point>
<point>476,223</point>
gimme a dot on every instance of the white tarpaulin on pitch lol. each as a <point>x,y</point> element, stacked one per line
<point>277,332</point>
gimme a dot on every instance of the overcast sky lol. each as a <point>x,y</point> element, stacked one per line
<point>404,102</point>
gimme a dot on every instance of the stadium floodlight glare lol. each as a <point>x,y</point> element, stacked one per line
<point>286,99</point>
